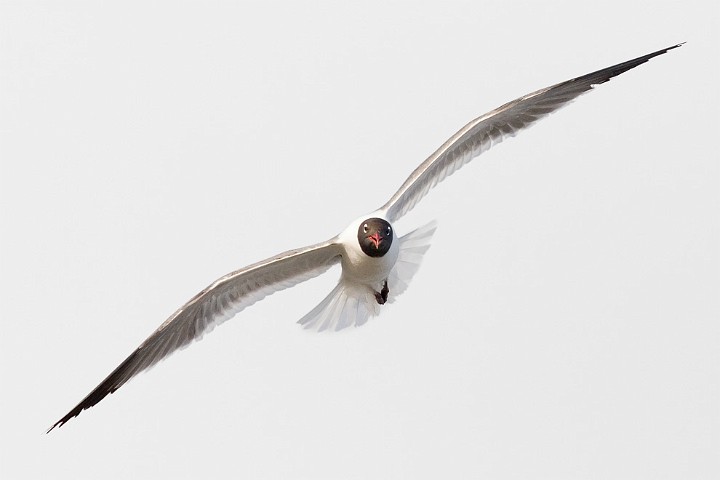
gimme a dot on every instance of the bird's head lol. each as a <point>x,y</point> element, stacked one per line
<point>375,236</point>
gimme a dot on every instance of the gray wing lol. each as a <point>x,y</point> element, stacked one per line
<point>214,305</point>
<point>494,127</point>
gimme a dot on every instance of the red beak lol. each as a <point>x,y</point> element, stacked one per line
<point>376,239</point>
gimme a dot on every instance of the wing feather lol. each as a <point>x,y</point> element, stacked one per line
<point>215,304</point>
<point>492,128</point>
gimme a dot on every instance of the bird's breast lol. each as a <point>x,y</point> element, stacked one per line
<point>358,266</point>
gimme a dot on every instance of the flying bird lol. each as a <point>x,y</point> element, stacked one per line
<point>377,263</point>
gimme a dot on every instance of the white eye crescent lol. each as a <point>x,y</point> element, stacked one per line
<point>365,228</point>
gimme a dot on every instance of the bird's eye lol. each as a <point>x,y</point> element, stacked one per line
<point>365,228</point>
<point>389,230</point>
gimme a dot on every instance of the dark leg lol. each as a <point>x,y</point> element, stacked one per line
<point>382,295</point>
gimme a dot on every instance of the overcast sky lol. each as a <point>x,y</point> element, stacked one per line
<point>564,323</point>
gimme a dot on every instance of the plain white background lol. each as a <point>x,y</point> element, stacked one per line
<point>563,325</point>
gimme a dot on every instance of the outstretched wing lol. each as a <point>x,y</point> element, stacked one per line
<point>494,127</point>
<point>214,305</point>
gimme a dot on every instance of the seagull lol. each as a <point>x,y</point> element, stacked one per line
<point>377,264</point>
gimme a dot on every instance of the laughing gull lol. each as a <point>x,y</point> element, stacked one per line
<point>377,264</point>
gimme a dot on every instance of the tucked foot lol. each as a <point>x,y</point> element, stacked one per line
<point>382,295</point>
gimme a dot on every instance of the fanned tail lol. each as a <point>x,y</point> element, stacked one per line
<point>412,248</point>
<point>352,305</point>
<point>346,305</point>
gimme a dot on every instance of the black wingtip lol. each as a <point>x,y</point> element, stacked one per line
<point>112,382</point>
<point>56,424</point>
<point>664,50</point>
<point>63,420</point>
<point>660,52</point>
<point>647,57</point>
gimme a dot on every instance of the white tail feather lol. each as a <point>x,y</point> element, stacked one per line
<point>351,304</point>
<point>412,248</point>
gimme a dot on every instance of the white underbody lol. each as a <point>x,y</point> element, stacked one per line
<point>353,301</point>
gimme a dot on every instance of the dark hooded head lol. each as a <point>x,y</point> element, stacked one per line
<point>375,236</point>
